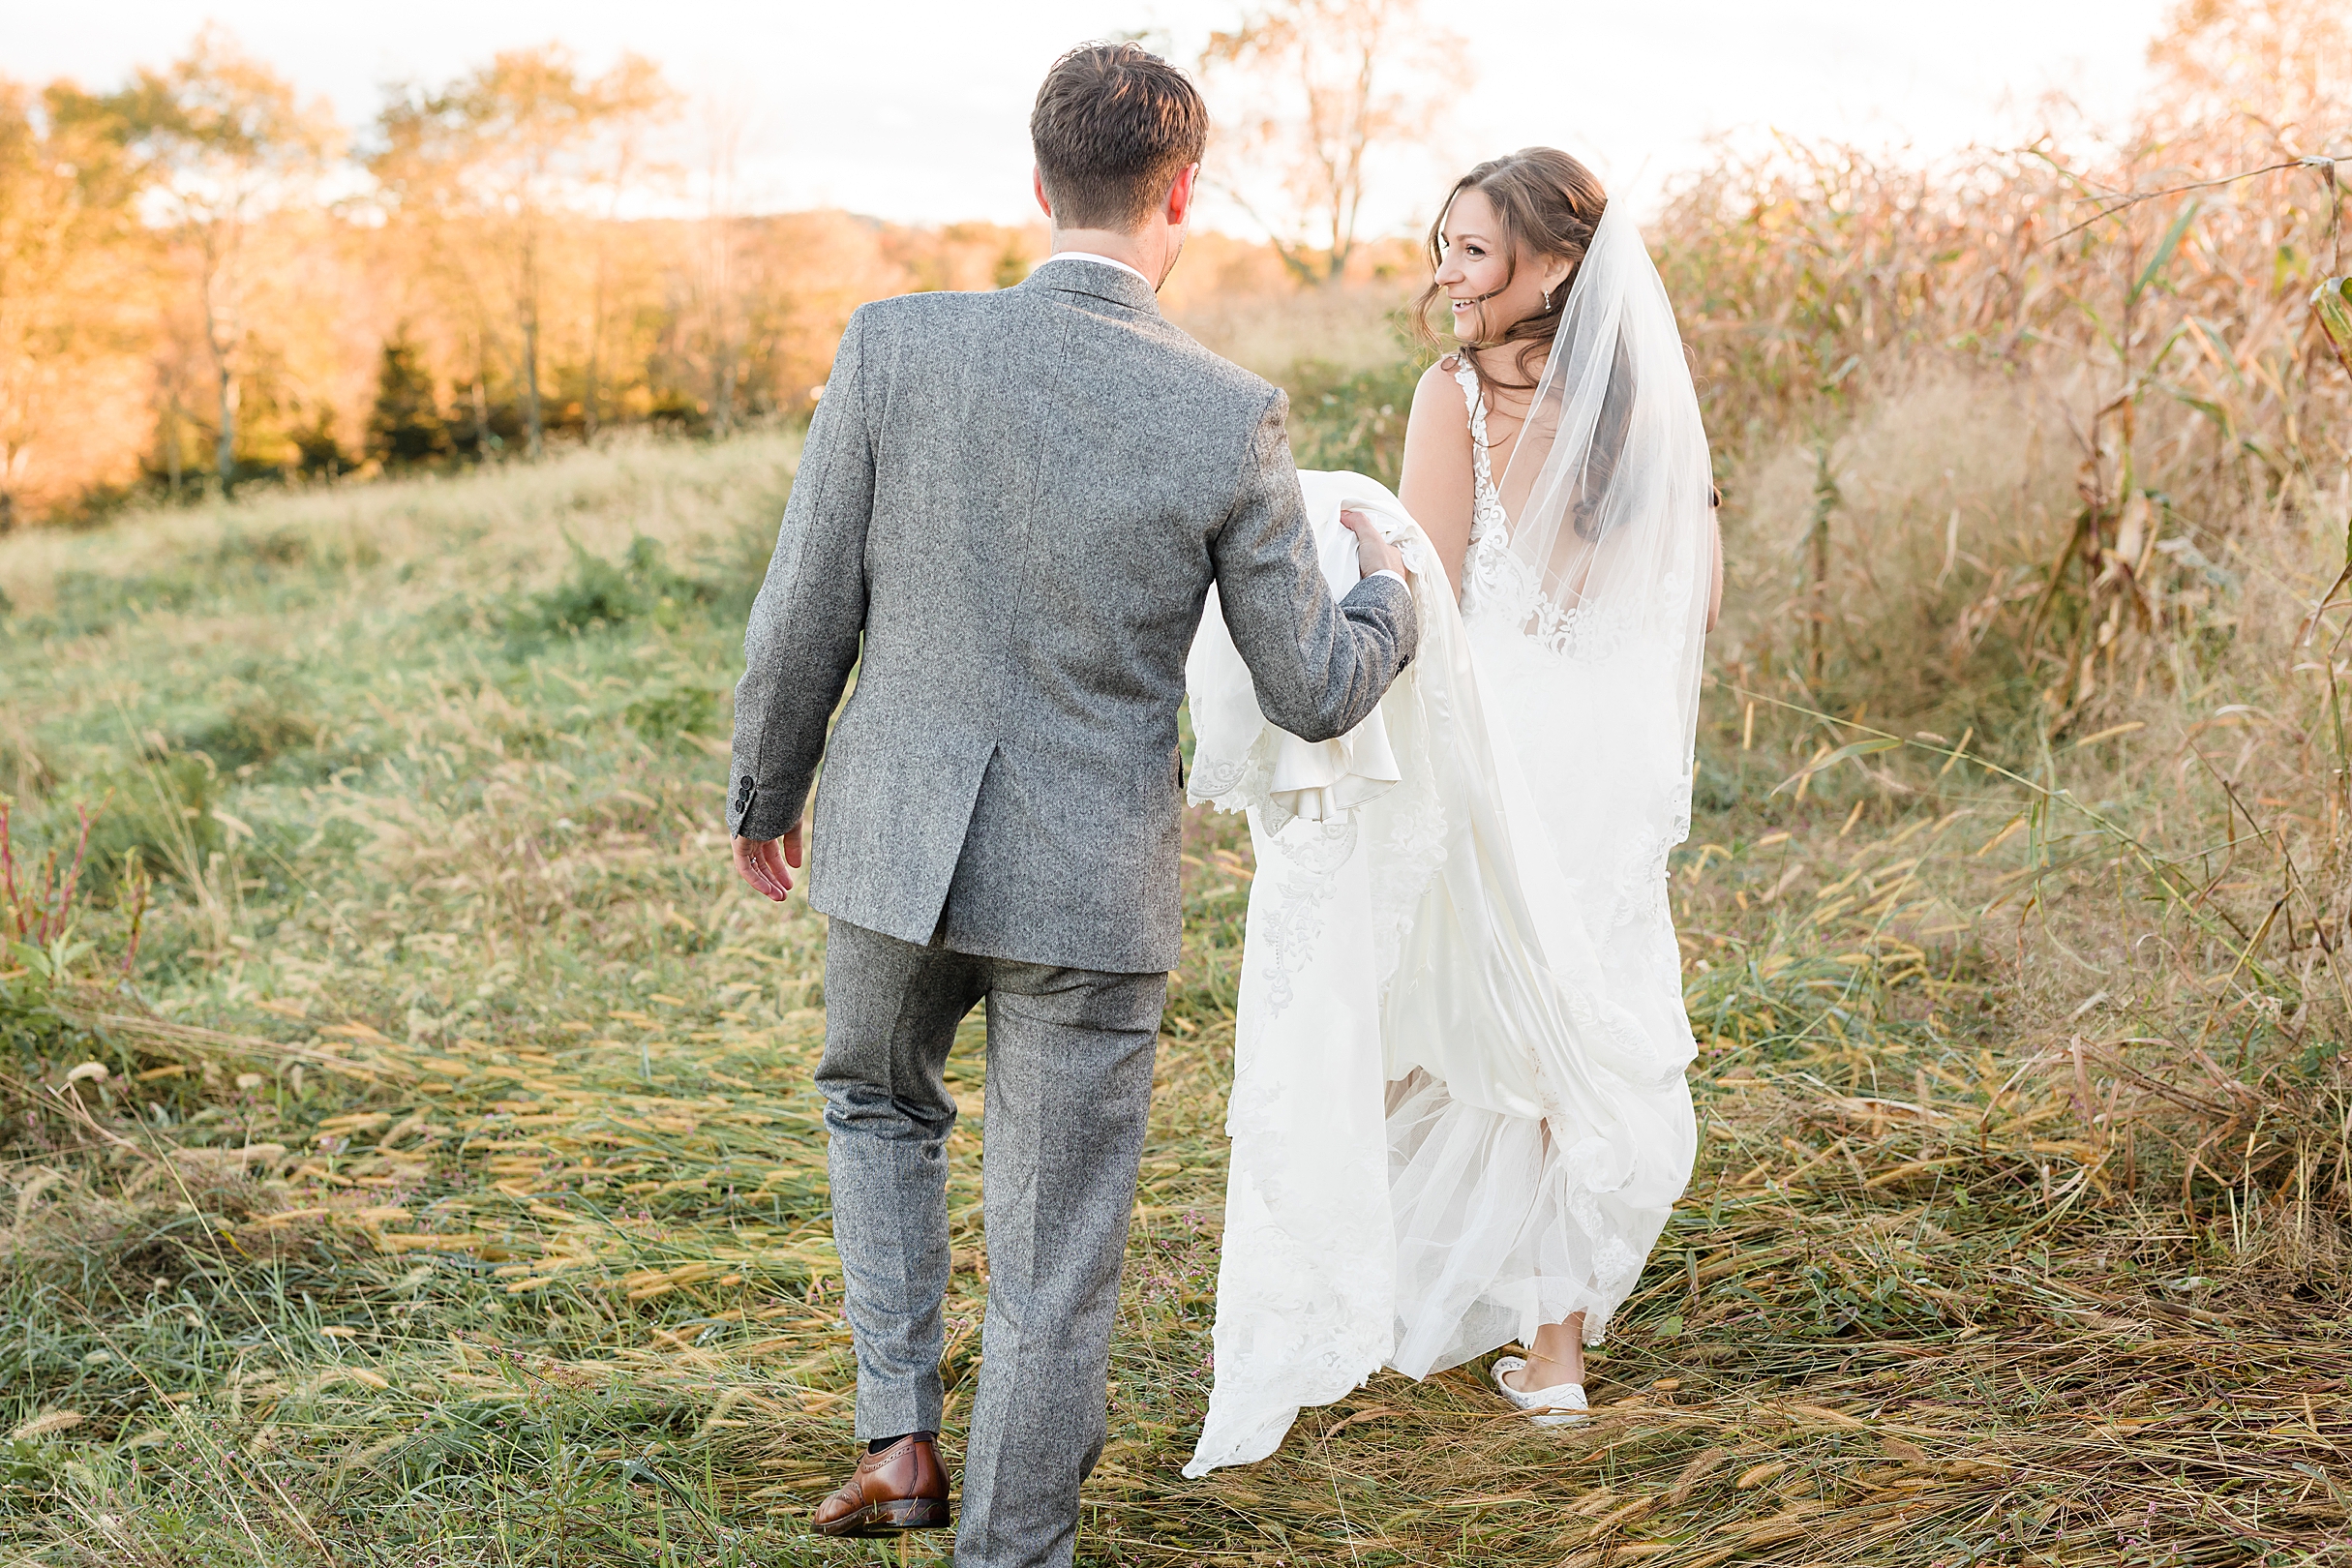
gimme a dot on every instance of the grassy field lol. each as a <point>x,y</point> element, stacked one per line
<point>409,1155</point>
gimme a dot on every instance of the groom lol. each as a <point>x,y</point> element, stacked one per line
<point>1008,513</point>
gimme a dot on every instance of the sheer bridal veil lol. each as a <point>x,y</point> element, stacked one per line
<point>1611,555</point>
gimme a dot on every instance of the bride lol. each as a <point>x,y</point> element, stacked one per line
<point>1459,1116</point>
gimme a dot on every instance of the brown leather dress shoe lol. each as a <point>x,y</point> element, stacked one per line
<point>902,1488</point>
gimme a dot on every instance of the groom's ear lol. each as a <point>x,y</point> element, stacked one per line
<point>1180,195</point>
<point>1036,184</point>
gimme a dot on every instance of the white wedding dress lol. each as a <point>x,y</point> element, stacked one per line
<point>1457,1108</point>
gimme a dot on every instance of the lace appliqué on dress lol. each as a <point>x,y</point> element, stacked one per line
<point>1233,784</point>
<point>1315,852</point>
<point>1497,584</point>
<point>1491,575</point>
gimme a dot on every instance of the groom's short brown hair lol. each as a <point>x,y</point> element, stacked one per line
<point>1113,126</point>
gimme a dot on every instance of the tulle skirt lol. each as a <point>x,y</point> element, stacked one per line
<point>1496,1236</point>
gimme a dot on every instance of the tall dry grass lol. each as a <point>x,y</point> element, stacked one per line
<point>2040,477</point>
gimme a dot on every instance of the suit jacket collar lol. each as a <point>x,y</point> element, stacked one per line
<point>1072,276</point>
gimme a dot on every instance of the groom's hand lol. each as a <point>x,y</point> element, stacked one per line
<point>1373,553</point>
<point>758,862</point>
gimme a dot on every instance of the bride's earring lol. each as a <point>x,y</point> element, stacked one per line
<point>1547,299</point>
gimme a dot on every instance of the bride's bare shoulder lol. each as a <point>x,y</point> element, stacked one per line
<point>1439,409</point>
<point>1440,391</point>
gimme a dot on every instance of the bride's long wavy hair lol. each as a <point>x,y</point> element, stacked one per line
<point>1549,205</point>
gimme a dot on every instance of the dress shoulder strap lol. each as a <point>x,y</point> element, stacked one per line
<point>1485,507</point>
<point>1466,376</point>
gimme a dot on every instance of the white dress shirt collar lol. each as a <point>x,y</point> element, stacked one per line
<point>1103,260</point>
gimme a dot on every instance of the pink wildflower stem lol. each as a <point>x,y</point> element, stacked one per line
<point>58,910</point>
<point>7,874</point>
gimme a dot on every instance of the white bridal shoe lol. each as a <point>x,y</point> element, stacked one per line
<point>1564,1404</point>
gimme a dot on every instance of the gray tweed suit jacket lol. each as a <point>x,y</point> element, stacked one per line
<point>1006,521</point>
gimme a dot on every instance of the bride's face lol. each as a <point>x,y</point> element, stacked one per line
<point>1478,277</point>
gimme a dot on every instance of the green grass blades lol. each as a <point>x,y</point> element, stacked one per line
<point>410,1154</point>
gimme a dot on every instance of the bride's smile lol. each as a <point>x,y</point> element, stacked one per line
<point>1487,287</point>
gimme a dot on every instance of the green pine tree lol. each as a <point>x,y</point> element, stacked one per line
<point>406,427</point>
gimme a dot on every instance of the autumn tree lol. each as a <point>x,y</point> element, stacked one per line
<point>719,265</point>
<point>494,159</point>
<point>1316,91</point>
<point>64,224</point>
<point>218,143</point>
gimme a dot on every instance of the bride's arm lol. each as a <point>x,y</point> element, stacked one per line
<point>1436,486</point>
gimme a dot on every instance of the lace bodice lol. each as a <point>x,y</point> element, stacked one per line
<point>1487,579</point>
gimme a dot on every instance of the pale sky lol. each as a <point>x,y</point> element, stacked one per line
<point>913,109</point>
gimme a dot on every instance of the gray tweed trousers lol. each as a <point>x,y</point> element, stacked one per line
<point>1068,1092</point>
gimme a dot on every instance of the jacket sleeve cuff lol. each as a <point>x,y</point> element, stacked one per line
<point>1387,596</point>
<point>761,814</point>
<point>1382,588</point>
